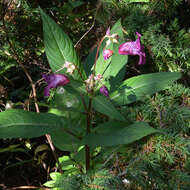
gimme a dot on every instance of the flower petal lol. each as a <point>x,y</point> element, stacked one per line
<point>108,32</point>
<point>47,91</point>
<point>133,48</point>
<point>54,81</point>
<point>127,48</point>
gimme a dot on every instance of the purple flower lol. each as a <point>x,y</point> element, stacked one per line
<point>53,81</point>
<point>104,91</point>
<point>134,48</point>
<point>107,53</point>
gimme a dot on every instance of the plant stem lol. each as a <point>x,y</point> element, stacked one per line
<point>97,52</point>
<point>89,112</point>
<point>87,148</point>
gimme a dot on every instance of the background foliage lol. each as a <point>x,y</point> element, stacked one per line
<point>159,162</point>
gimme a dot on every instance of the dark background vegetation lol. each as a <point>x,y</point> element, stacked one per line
<point>158,162</point>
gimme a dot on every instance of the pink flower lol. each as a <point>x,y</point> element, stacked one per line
<point>53,81</point>
<point>104,91</point>
<point>134,48</point>
<point>107,53</point>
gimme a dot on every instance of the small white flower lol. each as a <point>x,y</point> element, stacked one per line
<point>67,64</point>
<point>108,42</point>
<point>111,38</point>
<point>115,40</point>
<point>70,67</point>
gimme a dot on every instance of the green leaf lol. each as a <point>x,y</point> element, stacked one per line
<point>24,124</point>
<point>89,62</point>
<point>117,60</point>
<point>136,88</point>
<point>101,64</point>
<point>69,106</point>
<point>66,163</point>
<point>103,105</point>
<point>65,141</point>
<point>49,183</point>
<point>55,175</point>
<point>116,70</point>
<point>105,67</point>
<point>110,126</point>
<point>66,104</point>
<point>78,86</point>
<point>58,46</point>
<point>79,156</point>
<point>120,135</point>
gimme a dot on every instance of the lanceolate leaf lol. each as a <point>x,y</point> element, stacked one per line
<point>119,135</point>
<point>117,60</point>
<point>19,123</point>
<point>137,88</point>
<point>65,141</point>
<point>89,61</point>
<point>113,65</point>
<point>58,46</point>
<point>101,64</point>
<point>103,105</point>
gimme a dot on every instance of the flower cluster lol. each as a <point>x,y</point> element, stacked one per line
<point>127,48</point>
<point>90,82</point>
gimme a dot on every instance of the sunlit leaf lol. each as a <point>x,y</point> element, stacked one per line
<point>16,123</point>
<point>103,105</point>
<point>136,88</point>
<point>58,46</point>
<point>119,135</point>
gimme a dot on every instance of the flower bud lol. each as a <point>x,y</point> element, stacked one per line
<point>107,53</point>
<point>104,91</point>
